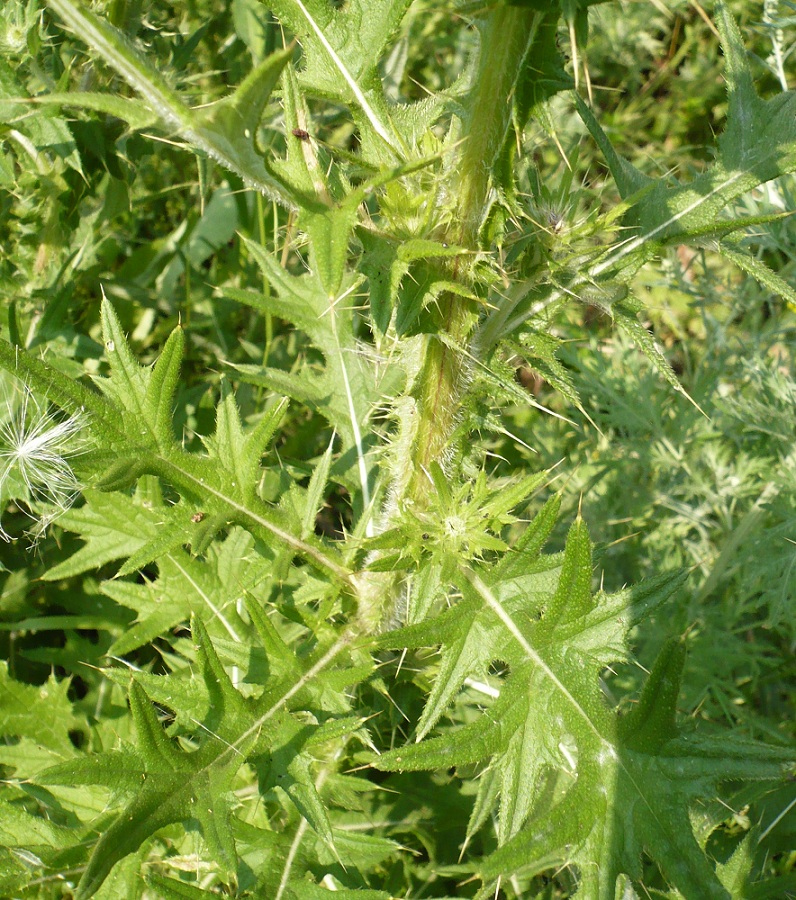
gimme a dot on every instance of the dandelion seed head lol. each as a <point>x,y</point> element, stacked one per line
<point>36,445</point>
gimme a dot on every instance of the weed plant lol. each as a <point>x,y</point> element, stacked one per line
<point>328,328</point>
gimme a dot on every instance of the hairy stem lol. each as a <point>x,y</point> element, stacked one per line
<point>427,423</point>
<point>506,37</point>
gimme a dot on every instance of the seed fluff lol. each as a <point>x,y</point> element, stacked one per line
<point>36,444</point>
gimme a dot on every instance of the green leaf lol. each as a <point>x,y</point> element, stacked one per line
<point>114,526</point>
<point>162,385</point>
<point>167,784</point>
<point>222,488</point>
<point>135,112</point>
<point>222,135</point>
<point>215,489</point>
<point>60,389</point>
<point>530,543</point>
<point>422,287</point>
<point>651,723</point>
<point>329,232</point>
<point>623,785</point>
<point>216,227</point>
<point>239,114</point>
<point>282,662</point>
<point>498,379</point>
<point>342,47</point>
<point>42,713</point>
<point>143,395</point>
<point>49,138</point>
<point>625,314</point>
<point>21,830</point>
<point>759,271</point>
<point>185,586</point>
<point>384,271</point>
<point>317,485</point>
<point>757,145</point>
<point>302,166</point>
<point>177,525</point>
<point>540,351</point>
<point>172,889</point>
<point>305,890</point>
<point>543,73</point>
<point>350,384</point>
<point>572,599</point>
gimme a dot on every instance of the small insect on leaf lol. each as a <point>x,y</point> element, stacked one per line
<point>301,134</point>
<point>197,517</point>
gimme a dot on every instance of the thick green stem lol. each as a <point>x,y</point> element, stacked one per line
<point>506,37</point>
<point>429,418</point>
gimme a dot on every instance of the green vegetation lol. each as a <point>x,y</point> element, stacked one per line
<point>397,467</point>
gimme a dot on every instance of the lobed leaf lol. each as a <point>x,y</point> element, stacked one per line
<point>626,784</point>
<point>218,134</point>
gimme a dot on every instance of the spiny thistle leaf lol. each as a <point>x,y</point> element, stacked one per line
<point>222,134</point>
<point>539,350</point>
<point>221,489</point>
<point>71,396</point>
<point>624,784</point>
<point>758,270</point>
<point>30,844</point>
<point>114,526</point>
<point>224,762</point>
<point>625,314</point>
<point>135,112</point>
<point>236,118</point>
<point>162,386</point>
<point>640,789</point>
<point>168,785</point>
<point>351,383</point>
<point>165,783</point>
<point>342,48</point>
<point>173,889</point>
<point>40,713</point>
<point>758,144</point>
<point>208,588</point>
<point>143,395</point>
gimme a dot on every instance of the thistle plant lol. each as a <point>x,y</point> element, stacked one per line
<point>319,634</point>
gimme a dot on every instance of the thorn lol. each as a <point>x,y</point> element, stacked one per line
<point>401,661</point>
<point>574,44</point>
